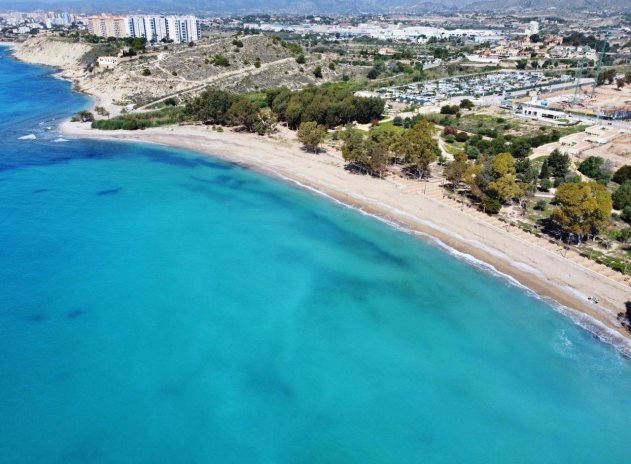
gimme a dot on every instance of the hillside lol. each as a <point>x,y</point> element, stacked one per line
<point>251,63</point>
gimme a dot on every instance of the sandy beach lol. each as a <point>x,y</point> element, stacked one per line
<point>418,208</point>
<point>570,281</point>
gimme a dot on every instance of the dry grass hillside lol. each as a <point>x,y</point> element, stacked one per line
<point>221,61</point>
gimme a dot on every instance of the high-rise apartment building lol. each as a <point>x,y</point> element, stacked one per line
<point>108,26</point>
<point>179,29</point>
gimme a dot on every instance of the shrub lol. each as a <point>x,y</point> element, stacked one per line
<point>165,116</point>
<point>372,74</point>
<point>466,104</point>
<point>449,109</point>
<point>300,59</point>
<point>472,152</point>
<point>626,215</point>
<point>450,138</point>
<point>462,137</point>
<point>146,72</point>
<point>491,205</point>
<point>622,196</point>
<point>83,116</point>
<point>596,168</point>
<point>317,72</point>
<point>220,60</point>
<point>623,174</point>
<point>545,185</point>
<point>541,205</point>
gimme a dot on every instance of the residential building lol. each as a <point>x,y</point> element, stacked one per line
<point>108,26</point>
<point>179,29</point>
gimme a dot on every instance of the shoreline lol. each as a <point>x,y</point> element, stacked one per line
<point>559,281</point>
<point>324,175</point>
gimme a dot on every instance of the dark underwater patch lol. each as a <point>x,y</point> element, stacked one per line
<point>75,313</point>
<point>38,317</point>
<point>113,191</point>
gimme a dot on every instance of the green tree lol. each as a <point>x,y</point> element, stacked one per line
<point>584,208</point>
<point>266,122</point>
<point>211,107</point>
<point>466,104</point>
<point>506,188</point>
<point>317,72</point>
<point>418,147</point>
<point>622,196</point>
<point>623,174</point>
<point>311,135</point>
<point>366,154</point>
<point>503,165</point>
<point>544,173</point>
<point>559,163</point>
<point>377,156</point>
<point>449,109</point>
<point>352,150</point>
<point>455,171</point>
<point>596,168</point>
<point>520,148</point>
<point>491,205</point>
<point>243,113</point>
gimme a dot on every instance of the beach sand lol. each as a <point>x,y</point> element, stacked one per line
<point>532,262</point>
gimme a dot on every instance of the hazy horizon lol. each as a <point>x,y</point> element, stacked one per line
<point>305,6</point>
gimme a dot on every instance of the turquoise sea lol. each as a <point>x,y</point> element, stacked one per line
<point>157,306</point>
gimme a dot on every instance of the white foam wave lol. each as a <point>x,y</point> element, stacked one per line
<point>28,137</point>
<point>60,140</point>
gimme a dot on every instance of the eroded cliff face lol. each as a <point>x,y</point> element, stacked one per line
<point>50,51</point>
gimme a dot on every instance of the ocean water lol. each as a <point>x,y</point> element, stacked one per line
<point>157,306</point>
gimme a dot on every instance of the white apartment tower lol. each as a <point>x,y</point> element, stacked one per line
<point>179,29</point>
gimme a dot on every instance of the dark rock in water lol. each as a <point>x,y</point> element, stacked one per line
<point>109,192</point>
<point>75,313</point>
<point>39,191</point>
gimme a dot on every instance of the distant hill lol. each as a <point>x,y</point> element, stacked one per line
<point>310,6</point>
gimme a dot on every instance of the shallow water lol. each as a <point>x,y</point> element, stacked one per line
<point>160,306</point>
